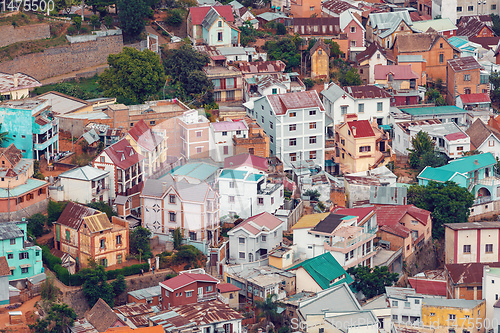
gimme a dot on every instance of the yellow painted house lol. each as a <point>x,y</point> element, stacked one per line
<point>357,145</point>
<point>281,257</point>
<point>458,314</point>
<point>320,60</point>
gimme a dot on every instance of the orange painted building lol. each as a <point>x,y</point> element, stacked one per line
<point>433,48</point>
<point>464,77</point>
<point>257,142</point>
<point>305,8</point>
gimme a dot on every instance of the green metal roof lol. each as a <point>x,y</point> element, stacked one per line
<point>30,185</point>
<point>436,174</point>
<point>324,269</point>
<point>437,24</point>
<point>433,110</point>
<point>470,163</point>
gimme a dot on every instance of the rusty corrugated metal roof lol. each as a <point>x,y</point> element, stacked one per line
<point>98,222</point>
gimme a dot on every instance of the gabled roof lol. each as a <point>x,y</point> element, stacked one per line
<point>84,173</point>
<point>399,72</point>
<point>479,131</point>
<point>420,42</point>
<point>436,174</point>
<point>360,212</point>
<point>187,191</point>
<point>227,287</point>
<point>391,215</point>
<point>73,214</point>
<point>347,17</point>
<point>486,42</point>
<point>295,100</point>
<point>324,269</point>
<point>12,154</point>
<point>366,91</point>
<point>475,98</point>
<point>440,25</point>
<point>185,279</point>
<point>138,129</point>
<point>463,64</point>
<point>101,316</point>
<point>4,266</point>
<point>471,26</point>
<point>320,44</point>
<point>337,6</point>
<point>257,67</point>
<point>470,163</point>
<point>198,13</point>
<point>245,159</point>
<point>471,273</point>
<point>428,287</point>
<point>369,52</point>
<point>360,128</point>
<point>309,220</point>
<point>257,223</point>
<point>330,223</point>
<point>98,222</point>
<point>210,18</point>
<point>123,154</point>
<point>387,22</point>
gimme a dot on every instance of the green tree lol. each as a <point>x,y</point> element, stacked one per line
<point>177,238</point>
<point>4,136</point>
<point>103,207</point>
<point>198,83</point>
<point>424,153</point>
<point>94,20</point>
<point>372,281</point>
<point>334,48</point>
<point>131,14</point>
<point>119,285</point>
<point>286,49</point>
<point>108,21</point>
<point>309,83</point>
<point>280,29</point>
<point>100,6</point>
<point>49,292</point>
<point>496,23</point>
<point>495,81</point>
<point>434,96</point>
<point>96,286</point>
<point>36,223</point>
<point>132,76</point>
<point>54,210</point>
<point>312,194</point>
<point>269,308</point>
<point>447,202</point>
<point>77,20</point>
<point>351,78</point>
<point>139,240</point>
<point>57,320</point>
<point>174,18</point>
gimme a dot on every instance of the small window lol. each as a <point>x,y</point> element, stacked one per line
<point>189,293</point>
<point>441,58</point>
<point>172,216</point>
<point>417,301</point>
<point>219,36</point>
<point>407,305</point>
<point>271,125</point>
<point>292,127</point>
<point>152,122</point>
<point>292,114</point>
<point>379,106</point>
<point>466,248</point>
<point>353,29</point>
<point>343,109</point>
<point>12,241</point>
<point>198,134</point>
<point>312,140</point>
<point>466,77</point>
<point>378,55</point>
<point>171,198</point>
<point>432,314</point>
<point>241,240</point>
<point>231,184</point>
<point>119,259</point>
<point>10,256</point>
<point>101,159</point>
<point>119,239</point>
<point>260,201</point>
<point>311,8</point>
<point>470,8</point>
<point>440,45</point>
<point>312,125</point>
<point>293,157</point>
<point>275,91</point>
<point>219,24</point>
<point>312,155</point>
<point>242,255</point>
<point>489,248</point>
<point>271,138</point>
<point>67,235</point>
<point>231,198</point>
<point>224,133</point>
<point>361,108</point>
<point>103,243</point>
<point>263,238</point>
<point>292,142</point>
<point>459,9</point>
<point>24,270</point>
<point>394,304</point>
<point>452,316</point>
<point>493,7</point>
<point>312,112</point>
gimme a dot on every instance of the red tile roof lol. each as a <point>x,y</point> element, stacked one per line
<point>199,13</point>
<point>456,136</point>
<point>123,154</point>
<point>246,159</point>
<point>185,279</point>
<point>360,212</point>
<point>227,287</point>
<point>428,287</point>
<point>138,129</point>
<point>475,98</point>
<point>361,128</point>
<point>256,223</point>
<point>399,72</point>
<point>295,100</point>
<point>390,215</point>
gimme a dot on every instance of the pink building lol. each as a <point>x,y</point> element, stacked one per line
<point>355,32</point>
<point>187,135</point>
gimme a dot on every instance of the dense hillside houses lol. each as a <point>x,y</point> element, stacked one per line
<point>279,166</point>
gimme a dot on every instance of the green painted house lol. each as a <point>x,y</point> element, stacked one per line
<point>24,259</point>
<point>476,173</point>
<point>319,273</point>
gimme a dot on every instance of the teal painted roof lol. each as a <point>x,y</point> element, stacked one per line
<point>241,175</point>
<point>433,110</point>
<point>470,163</point>
<point>199,171</point>
<point>436,174</point>
<point>30,185</point>
<point>348,217</point>
<point>324,269</point>
<point>457,41</point>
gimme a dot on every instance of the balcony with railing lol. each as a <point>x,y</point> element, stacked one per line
<point>351,241</point>
<point>99,190</point>
<point>207,297</point>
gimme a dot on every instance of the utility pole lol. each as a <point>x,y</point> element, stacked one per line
<point>8,197</point>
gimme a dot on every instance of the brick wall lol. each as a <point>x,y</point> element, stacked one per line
<point>65,59</point>
<point>10,35</point>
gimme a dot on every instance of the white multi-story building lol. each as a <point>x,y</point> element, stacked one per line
<point>406,305</point>
<point>246,192</point>
<point>448,137</point>
<point>295,123</point>
<point>168,203</point>
<point>368,102</point>
<point>348,236</point>
<point>84,184</point>
<point>223,133</point>
<point>254,238</point>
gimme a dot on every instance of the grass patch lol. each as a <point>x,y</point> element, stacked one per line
<point>84,88</point>
<point>9,52</point>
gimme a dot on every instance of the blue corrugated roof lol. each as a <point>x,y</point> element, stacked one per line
<point>436,174</point>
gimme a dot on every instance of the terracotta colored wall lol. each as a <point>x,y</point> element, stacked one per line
<point>182,300</point>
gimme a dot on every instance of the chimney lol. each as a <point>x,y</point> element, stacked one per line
<point>487,269</point>
<point>353,130</point>
<point>476,162</point>
<point>16,80</point>
<point>325,85</point>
